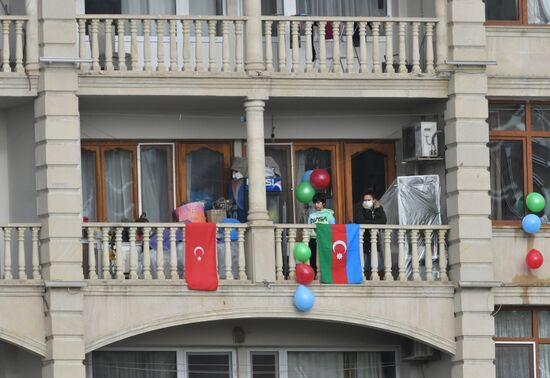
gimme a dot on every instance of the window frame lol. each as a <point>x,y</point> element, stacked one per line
<point>212,351</point>
<point>535,340</point>
<point>523,19</point>
<point>526,137</point>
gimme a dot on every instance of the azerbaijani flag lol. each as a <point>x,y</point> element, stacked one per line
<point>339,253</point>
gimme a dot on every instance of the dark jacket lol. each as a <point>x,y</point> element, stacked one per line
<point>369,216</point>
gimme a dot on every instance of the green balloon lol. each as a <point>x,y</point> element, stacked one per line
<point>302,253</point>
<point>535,202</point>
<point>305,192</point>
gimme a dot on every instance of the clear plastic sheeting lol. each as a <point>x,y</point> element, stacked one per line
<point>414,200</point>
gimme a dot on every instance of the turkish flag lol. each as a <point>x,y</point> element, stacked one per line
<point>200,256</point>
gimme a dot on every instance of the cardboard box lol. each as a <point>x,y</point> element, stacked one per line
<point>216,216</point>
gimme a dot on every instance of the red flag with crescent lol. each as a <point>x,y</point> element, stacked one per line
<point>200,256</point>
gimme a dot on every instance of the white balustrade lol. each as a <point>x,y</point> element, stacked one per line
<point>150,44</point>
<point>153,251</point>
<point>11,48</point>
<point>19,251</point>
<point>387,252</point>
<point>349,45</point>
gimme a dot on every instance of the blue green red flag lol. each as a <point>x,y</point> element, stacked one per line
<point>339,253</point>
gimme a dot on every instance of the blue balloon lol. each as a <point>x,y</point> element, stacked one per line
<point>307,175</point>
<point>531,223</point>
<point>303,298</point>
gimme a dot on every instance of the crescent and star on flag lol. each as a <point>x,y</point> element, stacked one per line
<point>339,254</point>
<point>198,252</point>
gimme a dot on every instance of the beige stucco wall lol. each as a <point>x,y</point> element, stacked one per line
<point>4,164</point>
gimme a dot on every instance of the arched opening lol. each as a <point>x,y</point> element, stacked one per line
<point>16,362</point>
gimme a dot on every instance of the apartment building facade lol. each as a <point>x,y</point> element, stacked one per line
<point>112,109</point>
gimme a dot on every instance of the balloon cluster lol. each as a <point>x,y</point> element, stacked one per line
<point>531,223</point>
<point>303,297</point>
<point>311,180</point>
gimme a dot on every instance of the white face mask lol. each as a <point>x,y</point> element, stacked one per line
<point>368,204</point>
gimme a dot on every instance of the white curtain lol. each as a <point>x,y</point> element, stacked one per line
<point>340,8</point>
<point>544,361</point>
<point>369,365</point>
<point>315,365</point>
<point>204,176</point>
<point>154,183</point>
<point>204,8</point>
<point>513,324</point>
<point>119,185</point>
<point>88,168</point>
<point>514,361</point>
<point>134,364</point>
<point>154,7</point>
<point>544,324</point>
<point>539,11</point>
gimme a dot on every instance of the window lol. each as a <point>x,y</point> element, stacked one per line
<point>522,337</point>
<point>209,365</point>
<point>518,11</point>
<point>520,157</point>
<point>342,7</point>
<point>134,364</point>
<point>265,365</point>
<point>134,7</point>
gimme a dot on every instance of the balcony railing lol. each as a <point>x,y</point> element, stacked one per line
<point>19,244</point>
<point>349,45</point>
<point>416,253</point>
<point>161,44</point>
<point>11,44</point>
<point>155,251</point>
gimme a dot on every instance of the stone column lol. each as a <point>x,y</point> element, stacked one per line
<point>253,36</point>
<point>57,151</point>
<point>260,238</point>
<point>468,201</point>
<point>31,48</point>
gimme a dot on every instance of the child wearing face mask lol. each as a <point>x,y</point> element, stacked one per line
<point>369,211</point>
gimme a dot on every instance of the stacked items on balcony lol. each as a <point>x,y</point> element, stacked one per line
<point>531,223</point>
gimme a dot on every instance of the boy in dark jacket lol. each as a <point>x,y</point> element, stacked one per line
<point>368,211</point>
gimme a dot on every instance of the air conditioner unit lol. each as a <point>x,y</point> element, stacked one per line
<point>418,351</point>
<point>420,141</point>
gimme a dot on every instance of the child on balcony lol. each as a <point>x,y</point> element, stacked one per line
<point>320,215</point>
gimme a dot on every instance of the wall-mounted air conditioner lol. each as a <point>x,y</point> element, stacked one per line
<point>420,141</point>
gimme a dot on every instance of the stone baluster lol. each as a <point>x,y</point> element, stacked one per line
<point>279,254</point>
<point>6,46</point>
<point>268,46</point>
<point>363,47</point>
<point>82,42</point>
<point>133,254</point>
<point>387,256</point>
<point>173,254</point>
<point>21,253</point>
<point>295,46</point>
<point>402,49</point>
<point>106,275</point>
<point>186,51</point>
<point>119,254</point>
<point>7,254</point>
<point>362,251</point>
<point>242,261</point>
<point>429,48</point>
<point>239,55</point>
<point>19,46</point>
<point>374,255</point>
<point>415,48</point>
<point>109,45</point>
<point>428,255</point>
<point>226,66</point>
<point>389,47</point>
<point>121,45</point>
<point>95,45</point>
<point>134,45</point>
<point>291,260</point>
<point>401,255</point>
<point>350,64</point>
<point>212,45</point>
<point>281,33</point>
<point>147,67</point>
<point>309,47</point>
<point>161,66</point>
<point>92,274</point>
<point>198,46</point>
<point>173,46</point>
<point>322,47</point>
<point>442,256</point>
<point>227,254</point>
<point>146,254</point>
<point>414,255</point>
<point>35,254</point>
<point>336,66</point>
<point>376,67</point>
<point>160,254</point>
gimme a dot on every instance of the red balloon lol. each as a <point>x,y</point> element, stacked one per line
<point>304,274</point>
<point>320,179</point>
<point>534,259</point>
